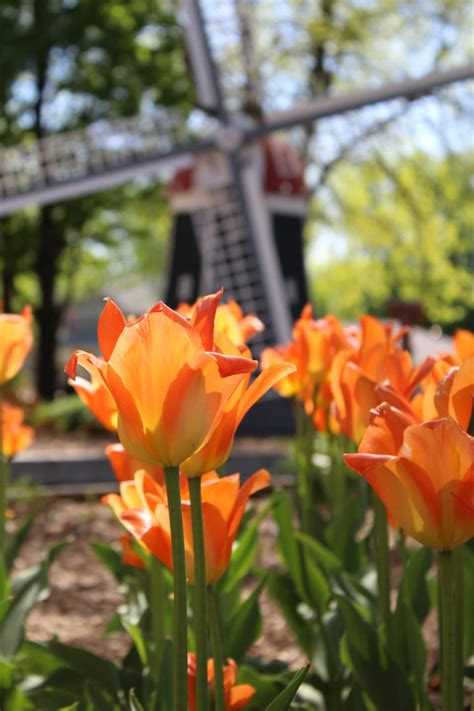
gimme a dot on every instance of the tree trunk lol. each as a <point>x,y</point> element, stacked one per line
<point>51,243</point>
<point>49,313</point>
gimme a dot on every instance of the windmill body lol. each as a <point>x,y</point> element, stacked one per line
<point>211,246</point>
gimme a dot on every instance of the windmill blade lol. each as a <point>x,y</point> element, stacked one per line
<point>101,156</point>
<point>249,186</point>
<point>409,89</point>
<point>203,69</point>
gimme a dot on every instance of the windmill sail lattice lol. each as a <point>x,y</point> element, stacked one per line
<point>228,257</point>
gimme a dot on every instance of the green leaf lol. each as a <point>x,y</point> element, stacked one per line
<point>7,674</point>
<point>283,700</point>
<point>408,642</point>
<point>317,585</point>
<point>414,582</point>
<point>18,701</point>
<point>378,675</point>
<point>111,559</point>
<point>267,686</point>
<point>135,705</point>
<point>340,536</point>
<point>288,545</point>
<point>245,626</point>
<point>18,538</point>
<point>283,590</point>
<point>28,589</point>
<point>137,637</point>
<point>89,666</point>
<point>322,554</point>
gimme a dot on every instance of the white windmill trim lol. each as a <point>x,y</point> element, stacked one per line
<point>265,249</point>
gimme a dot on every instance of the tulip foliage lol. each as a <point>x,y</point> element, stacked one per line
<point>376,533</point>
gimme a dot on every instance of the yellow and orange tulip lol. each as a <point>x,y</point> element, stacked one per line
<point>97,397</point>
<point>427,486</point>
<point>15,435</point>
<point>173,383</point>
<point>169,386</point>
<point>312,350</point>
<point>16,339</point>
<point>143,510</point>
<point>236,696</point>
<point>125,466</point>
<point>357,374</point>
<point>464,344</point>
<point>230,321</point>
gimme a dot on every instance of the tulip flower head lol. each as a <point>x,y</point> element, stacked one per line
<point>15,435</point>
<point>311,350</point>
<point>423,473</point>
<point>169,386</point>
<point>142,508</point>
<point>16,339</point>
<point>236,696</point>
<point>356,375</point>
<point>174,383</point>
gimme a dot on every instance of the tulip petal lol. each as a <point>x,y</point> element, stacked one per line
<point>240,696</point>
<point>462,393</point>
<point>217,551</point>
<point>110,326</point>
<point>262,383</point>
<point>259,480</point>
<point>232,364</point>
<point>203,318</point>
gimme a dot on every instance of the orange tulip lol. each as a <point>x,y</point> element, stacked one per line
<point>236,696</point>
<point>357,374</point>
<point>16,339</point>
<point>97,397</point>
<point>170,385</point>
<point>428,485</point>
<point>230,321</point>
<point>142,508</point>
<point>464,344</point>
<point>312,350</point>
<point>129,555</point>
<point>15,435</point>
<point>125,466</point>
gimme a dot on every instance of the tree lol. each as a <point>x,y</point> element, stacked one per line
<point>407,225</point>
<point>68,63</point>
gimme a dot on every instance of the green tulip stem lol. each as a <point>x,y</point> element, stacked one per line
<point>200,594</point>
<point>157,604</point>
<point>304,453</point>
<point>216,648</point>
<point>451,627</point>
<point>180,637</point>
<point>382,561</point>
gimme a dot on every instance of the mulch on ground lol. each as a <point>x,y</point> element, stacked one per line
<point>84,595</point>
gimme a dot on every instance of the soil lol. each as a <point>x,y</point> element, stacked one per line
<point>84,595</point>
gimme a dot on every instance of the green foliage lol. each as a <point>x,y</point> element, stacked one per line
<point>407,226</point>
<point>282,701</point>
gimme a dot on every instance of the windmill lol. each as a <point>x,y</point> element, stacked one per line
<point>238,193</point>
